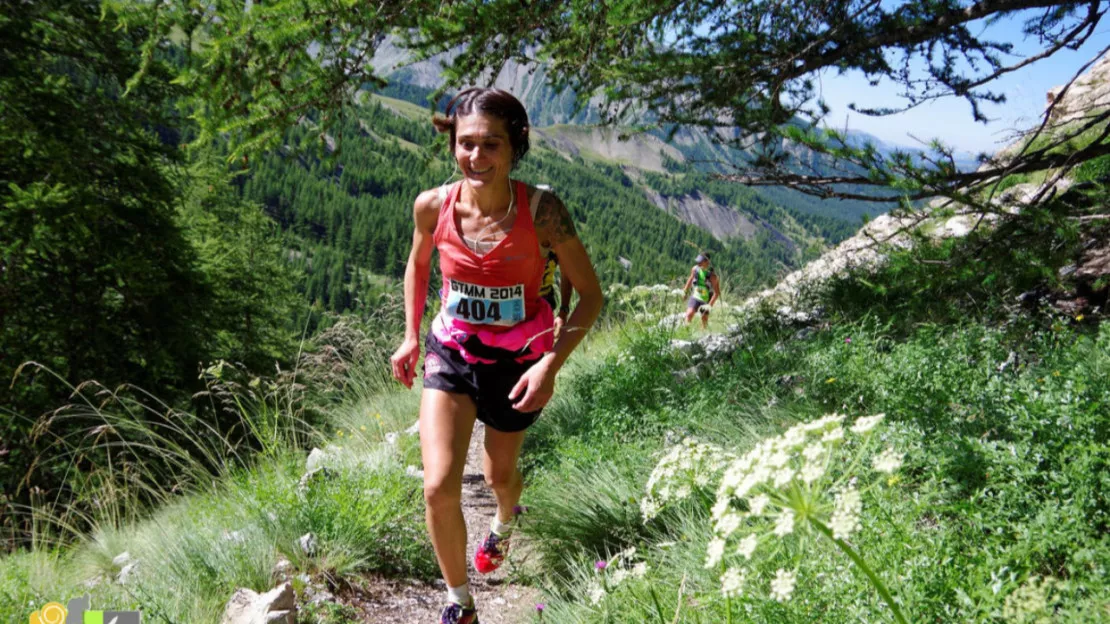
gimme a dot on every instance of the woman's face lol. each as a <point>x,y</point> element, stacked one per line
<point>483,150</point>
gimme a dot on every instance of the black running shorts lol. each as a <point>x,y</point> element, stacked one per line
<point>488,385</point>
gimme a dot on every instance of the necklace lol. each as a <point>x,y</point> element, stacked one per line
<point>476,242</point>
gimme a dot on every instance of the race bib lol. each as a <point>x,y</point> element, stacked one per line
<point>485,305</point>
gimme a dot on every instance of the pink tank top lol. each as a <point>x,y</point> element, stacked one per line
<point>494,296</point>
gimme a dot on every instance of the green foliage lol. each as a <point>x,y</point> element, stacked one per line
<point>251,74</point>
<point>239,253</point>
<point>1004,478</point>
<point>97,278</point>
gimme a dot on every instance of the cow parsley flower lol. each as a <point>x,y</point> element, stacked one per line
<point>888,461</point>
<point>728,524</point>
<point>783,585</point>
<point>747,546</point>
<point>814,451</point>
<point>714,552</point>
<point>867,423</point>
<point>845,518</point>
<point>785,524</point>
<point>812,471</point>
<point>732,582</point>
<point>758,503</point>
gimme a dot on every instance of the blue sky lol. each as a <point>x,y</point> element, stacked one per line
<point>950,119</point>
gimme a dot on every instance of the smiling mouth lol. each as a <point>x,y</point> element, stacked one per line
<point>482,172</point>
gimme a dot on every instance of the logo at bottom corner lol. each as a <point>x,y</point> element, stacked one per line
<point>78,611</point>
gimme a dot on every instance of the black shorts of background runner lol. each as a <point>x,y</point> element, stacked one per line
<point>694,302</point>
<point>550,299</point>
<point>488,385</point>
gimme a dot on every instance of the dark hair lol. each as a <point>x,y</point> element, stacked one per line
<point>494,102</point>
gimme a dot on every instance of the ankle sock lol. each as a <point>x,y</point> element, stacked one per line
<point>502,529</point>
<point>460,595</point>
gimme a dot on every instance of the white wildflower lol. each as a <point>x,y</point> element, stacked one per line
<point>833,435</point>
<point>783,585</point>
<point>845,518</point>
<point>648,508</point>
<point>715,551</point>
<point>888,461</point>
<point>618,576</point>
<point>793,438</point>
<point>785,524</point>
<point>812,471</point>
<point>778,459</point>
<point>814,451</point>
<point>758,503</point>
<point>639,570</point>
<point>867,423</point>
<point>728,524</point>
<point>596,593</point>
<point>720,507</point>
<point>683,492</point>
<point>747,546</point>
<point>784,476</point>
<point>732,583</point>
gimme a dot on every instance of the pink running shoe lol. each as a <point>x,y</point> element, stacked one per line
<point>491,553</point>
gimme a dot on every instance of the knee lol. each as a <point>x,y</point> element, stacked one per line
<point>440,493</point>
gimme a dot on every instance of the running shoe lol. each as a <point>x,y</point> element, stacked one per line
<point>457,614</point>
<point>491,553</point>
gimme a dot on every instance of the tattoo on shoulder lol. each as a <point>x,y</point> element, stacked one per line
<point>553,220</point>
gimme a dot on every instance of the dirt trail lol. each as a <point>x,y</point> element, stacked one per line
<point>413,602</point>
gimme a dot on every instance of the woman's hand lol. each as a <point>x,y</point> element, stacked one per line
<point>560,320</point>
<point>537,385</point>
<point>404,360</point>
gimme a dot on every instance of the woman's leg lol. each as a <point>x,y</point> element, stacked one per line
<point>500,466</point>
<point>446,422</point>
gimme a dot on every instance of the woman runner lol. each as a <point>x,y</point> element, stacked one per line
<point>490,354</point>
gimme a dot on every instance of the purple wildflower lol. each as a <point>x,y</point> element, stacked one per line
<point>600,565</point>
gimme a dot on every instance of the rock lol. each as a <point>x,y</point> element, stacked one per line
<point>310,476</point>
<point>316,460</point>
<point>277,606</point>
<point>283,568</point>
<point>1094,264</point>
<point>127,572</point>
<point>686,347</point>
<point>804,333</point>
<point>307,544</point>
<point>958,226</point>
<point>414,429</point>
<point>314,594</point>
<point>717,344</point>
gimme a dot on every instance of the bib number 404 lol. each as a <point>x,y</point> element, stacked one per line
<point>478,310</point>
